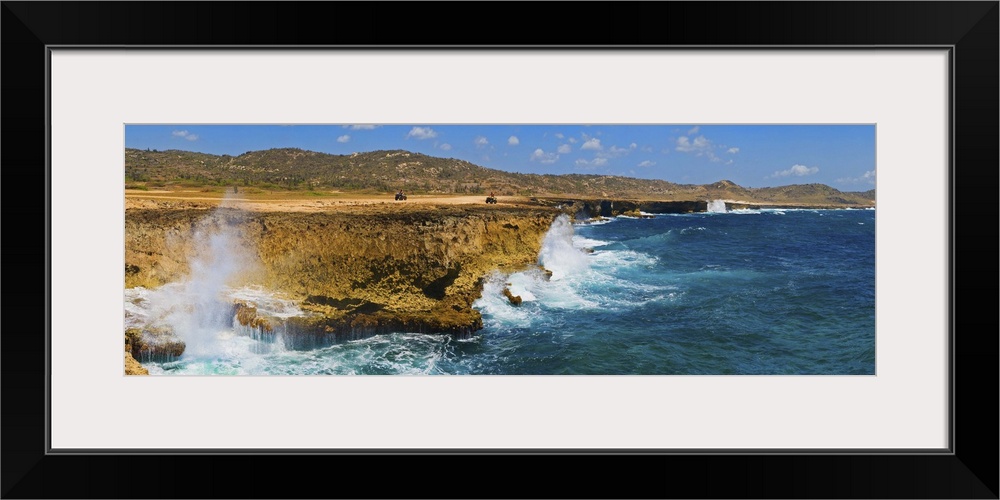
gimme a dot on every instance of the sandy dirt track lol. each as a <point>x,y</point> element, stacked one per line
<point>303,202</point>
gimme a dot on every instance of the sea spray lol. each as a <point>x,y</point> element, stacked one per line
<point>558,253</point>
<point>195,309</point>
<point>717,206</point>
<point>563,257</point>
<point>494,304</point>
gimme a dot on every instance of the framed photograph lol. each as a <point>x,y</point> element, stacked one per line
<point>814,95</point>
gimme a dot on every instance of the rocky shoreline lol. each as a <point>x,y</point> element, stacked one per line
<point>605,207</point>
<point>356,271</point>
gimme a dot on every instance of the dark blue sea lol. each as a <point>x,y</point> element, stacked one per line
<point>768,292</point>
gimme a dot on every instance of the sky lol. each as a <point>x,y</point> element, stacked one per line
<point>842,156</point>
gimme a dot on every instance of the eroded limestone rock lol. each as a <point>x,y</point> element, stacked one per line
<point>374,270</point>
<point>514,299</point>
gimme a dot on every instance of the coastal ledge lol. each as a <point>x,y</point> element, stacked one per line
<point>589,208</point>
<point>355,271</point>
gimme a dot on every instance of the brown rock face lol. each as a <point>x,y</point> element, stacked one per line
<point>132,367</point>
<point>362,270</point>
<point>513,299</point>
<point>247,316</point>
<point>153,344</point>
<point>582,209</point>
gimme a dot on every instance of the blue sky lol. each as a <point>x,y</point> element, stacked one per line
<point>842,156</point>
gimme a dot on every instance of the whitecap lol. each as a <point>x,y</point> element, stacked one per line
<point>584,242</point>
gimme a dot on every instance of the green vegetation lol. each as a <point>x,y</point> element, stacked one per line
<point>290,169</point>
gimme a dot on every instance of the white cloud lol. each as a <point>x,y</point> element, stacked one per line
<point>513,140</point>
<point>868,178</point>
<point>633,146</point>
<point>564,149</point>
<point>596,162</point>
<point>344,138</point>
<point>480,141</point>
<point>185,134</point>
<point>648,149</point>
<point>572,140</point>
<point>594,144</point>
<point>694,130</point>
<point>421,133</point>
<point>613,152</point>
<point>543,157</point>
<point>445,146</point>
<point>647,163</point>
<point>796,170</point>
<point>699,145</point>
<point>733,150</point>
<point>361,127</point>
<point>559,136</point>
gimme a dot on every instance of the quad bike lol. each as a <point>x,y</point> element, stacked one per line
<point>400,197</point>
<point>491,200</point>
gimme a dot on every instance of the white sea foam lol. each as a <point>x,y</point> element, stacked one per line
<point>558,253</point>
<point>397,353</point>
<point>596,222</point>
<point>584,242</point>
<point>579,281</point>
<point>266,301</point>
<point>520,285</point>
<point>493,303</point>
<point>199,308</point>
<point>566,295</point>
<point>717,206</point>
<point>622,258</point>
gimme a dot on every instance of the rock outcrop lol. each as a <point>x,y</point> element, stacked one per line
<point>596,208</point>
<point>358,271</point>
<point>513,299</point>
<point>153,344</point>
<point>246,314</point>
<point>133,367</point>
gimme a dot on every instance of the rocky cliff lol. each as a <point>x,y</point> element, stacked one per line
<point>583,208</point>
<point>361,270</point>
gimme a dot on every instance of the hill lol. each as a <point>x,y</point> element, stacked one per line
<point>387,171</point>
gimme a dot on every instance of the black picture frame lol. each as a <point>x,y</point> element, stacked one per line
<point>970,470</point>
